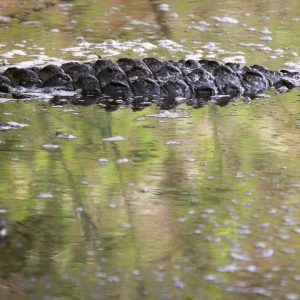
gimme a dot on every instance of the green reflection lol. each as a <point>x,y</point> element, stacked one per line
<point>166,224</point>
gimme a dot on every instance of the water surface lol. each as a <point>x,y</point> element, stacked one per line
<point>184,204</point>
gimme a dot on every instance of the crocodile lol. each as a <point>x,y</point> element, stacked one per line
<point>142,82</point>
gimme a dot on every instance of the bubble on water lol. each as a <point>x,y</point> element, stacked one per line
<point>67,136</point>
<point>229,268</point>
<point>3,229</point>
<point>178,282</point>
<point>266,38</point>
<point>243,232</point>
<point>272,211</point>
<point>191,159</point>
<point>103,160</point>
<point>239,175</point>
<point>212,46</point>
<point>173,143</point>
<point>159,275</point>
<point>295,185</point>
<point>240,59</point>
<point>249,193</point>
<point>4,19</point>
<point>101,274</point>
<point>287,221</point>
<point>261,245</point>
<point>11,125</point>
<point>297,277</point>
<point>44,196</point>
<point>261,291</point>
<point>198,231</point>
<point>288,250</point>
<point>113,279</point>
<point>297,230</point>
<point>50,147</point>
<point>182,219</point>
<point>213,239</point>
<point>174,15</point>
<point>112,205</point>
<point>225,20</point>
<point>79,209</point>
<point>251,45</point>
<point>3,211</point>
<point>251,269</point>
<point>122,160</point>
<point>214,279</point>
<point>164,7</point>
<point>136,272</point>
<point>12,53</point>
<point>266,31</point>
<point>292,297</point>
<point>168,115</point>
<point>234,201</point>
<point>279,51</point>
<point>138,50</point>
<point>117,138</point>
<point>126,225</point>
<point>237,254</point>
<point>284,237</point>
<point>195,56</point>
<point>266,253</point>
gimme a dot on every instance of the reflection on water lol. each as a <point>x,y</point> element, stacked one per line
<point>185,204</point>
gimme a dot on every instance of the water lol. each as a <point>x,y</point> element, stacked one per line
<point>180,204</point>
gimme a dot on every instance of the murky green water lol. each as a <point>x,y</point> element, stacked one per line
<point>203,204</point>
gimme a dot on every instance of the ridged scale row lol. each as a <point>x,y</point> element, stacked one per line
<point>151,79</point>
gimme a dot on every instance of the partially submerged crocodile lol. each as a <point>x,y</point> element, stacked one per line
<point>141,82</point>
